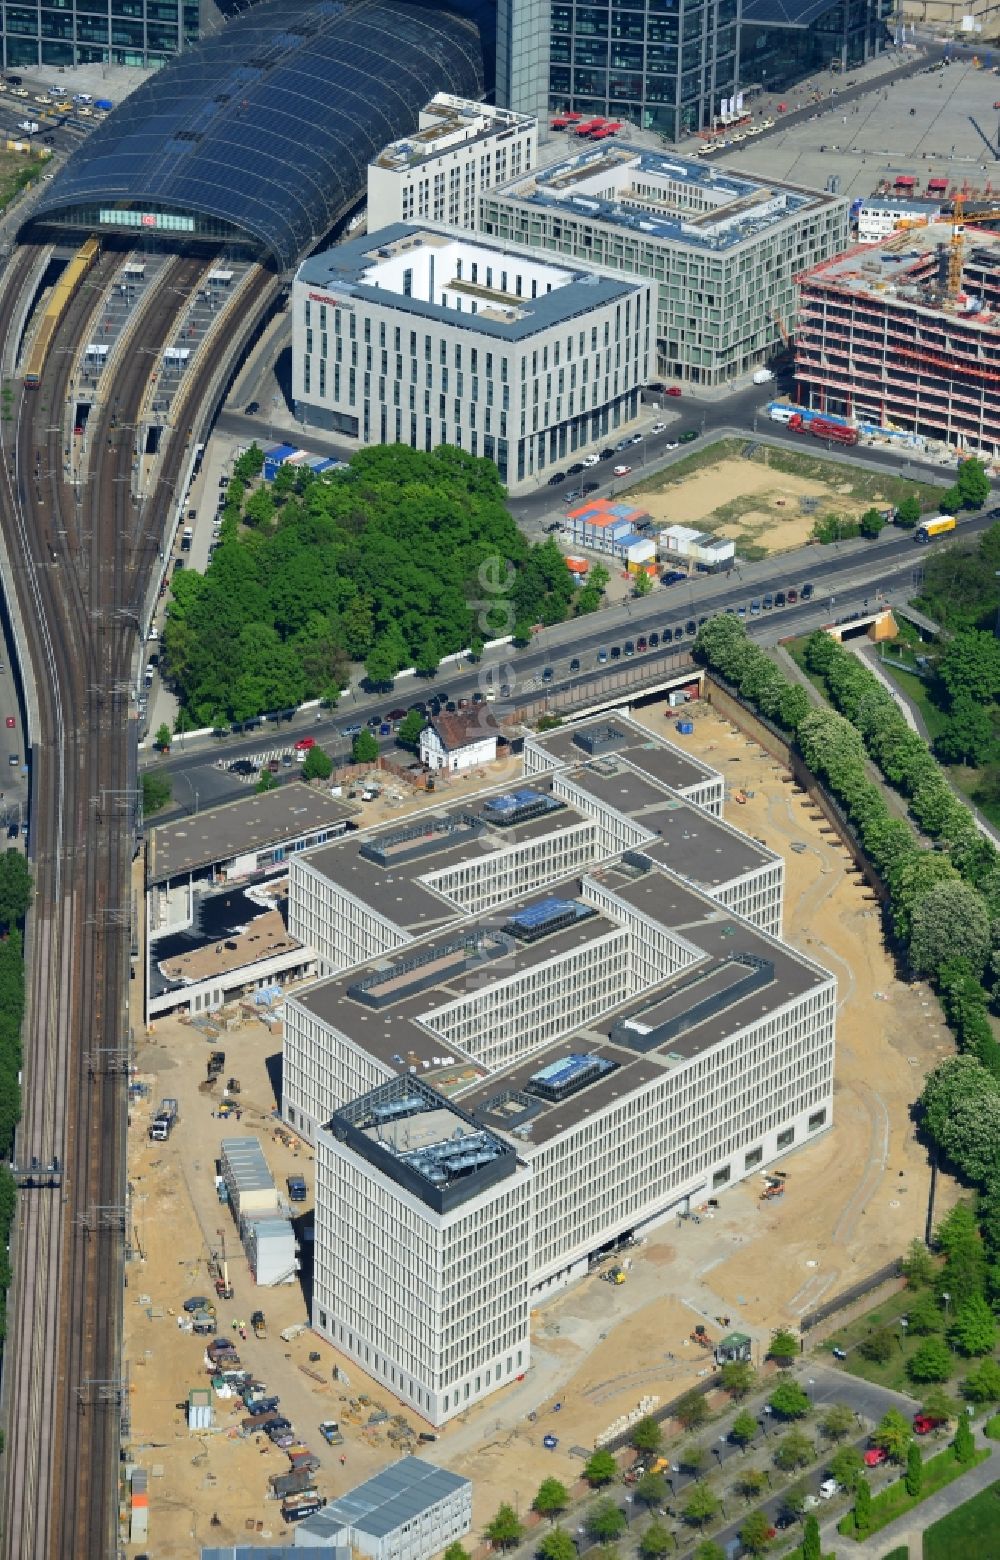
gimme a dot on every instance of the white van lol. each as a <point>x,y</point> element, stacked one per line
<point>828,1489</point>
<point>781,414</point>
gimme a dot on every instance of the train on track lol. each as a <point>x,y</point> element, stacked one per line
<point>63,293</point>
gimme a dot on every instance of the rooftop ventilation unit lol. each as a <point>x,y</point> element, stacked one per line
<point>568,1076</point>
<point>599,739</point>
<point>503,812</point>
<point>546,916</point>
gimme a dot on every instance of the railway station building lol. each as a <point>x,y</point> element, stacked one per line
<point>422,335</point>
<point>580,1019</point>
<point>723,249</point>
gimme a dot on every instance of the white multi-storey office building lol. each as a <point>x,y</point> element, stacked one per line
<point>424,336</point>
<point>460,149</point>
<point>547,1079</point>
<point>722,248</point>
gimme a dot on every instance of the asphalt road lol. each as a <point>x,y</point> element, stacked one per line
<point>844,578</point>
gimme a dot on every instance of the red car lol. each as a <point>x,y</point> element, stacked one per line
<point>876,1455</point>
<point>923,1424</point>
<point>304,744</point>
<point>673,389</point>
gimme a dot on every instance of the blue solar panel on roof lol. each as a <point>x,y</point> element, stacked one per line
<point>542,911</point>
<point>271,122</point>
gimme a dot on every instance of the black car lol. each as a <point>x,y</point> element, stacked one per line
<point>574,665</point>
<point>608,454</point>
<point>616,652</point>
<point>556,478</point>
<point>451,707</point>
<point>589,487</point>
<point>576,468</point>
<point>779,598</point>
<point>807,591</point>
<point>555,526</point>
<point>251,409</point>
<point>374,722</point>
<point>691,627</point>
<point>673,577</point>
<point>547,674</point>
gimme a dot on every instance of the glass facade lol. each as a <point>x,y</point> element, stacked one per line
<point>663,64</point>
<point>774,54</point>
<point>97,32</point>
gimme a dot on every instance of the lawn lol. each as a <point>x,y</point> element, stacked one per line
<point>992,1428</point>
<point>970,1532</point>
<point>885,1314</point>
<point>895,1501</point>
<point>16,170</point>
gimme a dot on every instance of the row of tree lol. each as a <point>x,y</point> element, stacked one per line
<point>404,558</point>
<point>944,902</point>
<point>15,899</point>
<point>960,587</point>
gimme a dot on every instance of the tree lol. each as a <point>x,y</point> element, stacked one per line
<point>924,1316</point>
<point>914,1470</point>
<point>551,1498</point>
<point>784,1347</point>
<point>642,584</point>
<point>967,737</point>
<point>974,1330</point>
<point>969,666</point>
<point>655,1542</point>
<point>846,1465</point>
<point>410,728</point>
<point>877,1346</point>
<point>931,1362</point>
<point>954,1079</point>
<point>811,1546</point>
<point>457,1551</point>
<point>692,1457</point>
<point>504,1529</point>
<point>364,748</point>
<point>862,1506</point>
<point>964,1445</point>
<point>601,1468</point>
<point>163,737</point>
<point>707,1550</point>
<point>871,523</point>
<point>691,1410</point>
<point>751,1483</point>
<point>651,1489</point>
<point>700,1506</point>
<point>973,484</point>
<point>893,1434</point>
<point>795,1450</point>
<point>793,1501</point>
<point>908,511</point>
<point>789,1401</point>
<point>982,1385</point>
<point>755,1533</point>
<point>647,1436</point>
<point>950,921</point>
<point>737,1378</point>
<point>964,1270</point>
<point>606,1521</point>
<point>556,1545</point>
<point>156,792</point>
<point>936,1403</point>
<point>266,782</point>
<point>318,765</point>
<point>838,1421</point>
<point>744,1429</point>
<point>15,885</point>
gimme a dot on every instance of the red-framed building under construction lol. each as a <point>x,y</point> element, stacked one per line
<point>881,340</point>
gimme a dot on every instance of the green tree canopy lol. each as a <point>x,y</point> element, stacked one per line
<point>601,1468</point>
<point>794,1450</point>
<point>552,1497</point>
<point>982,1384</point>
<point>784,1346</point>
<point>364,748</point>
<point>655,1542</point>
<point>744,1428</point>
<point>789,1401</point>
<point>974,1330</point>
<point>556,1545</point>
<point>914,1470</point>
<point>15,879</point>
<point>862,1506</point>
<point>755,1533</point>
<point>410,728</point>
<point>894,1434</point>
<point>811,1543</point>
<point>318,765</point>
<point>871,523</point>
<point>964,1443</point>
<point>925,1315</point>
<point>838,1421</point>
<point>908,511</point>
<point>504,1529</point>
<point>751,1483</point>
<point>266,781</point>
<point>700,1506</point>
<point>919,1266</point>
<point>737,1377</point>
<point>646,1434</point>
<point>605,1521</point>
<point>932,1362</point>
<point>691,1410</point>
<point>651,1489</point>
<point>846,1465</point>
<point>156,793</point>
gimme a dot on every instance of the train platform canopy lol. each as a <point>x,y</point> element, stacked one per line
<point>262,133</point>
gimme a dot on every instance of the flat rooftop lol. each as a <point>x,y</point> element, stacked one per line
<point>742,976</point>
<point>447,122</point>
<point>910,269</point>
<point>418,847</point>
<point>661,196</point>
<point>392,1499</point>
<point>253,823</point>
<point>615,733</point>
<point>371,269</point>
<point>382,1006</point>
<point>266,937</point>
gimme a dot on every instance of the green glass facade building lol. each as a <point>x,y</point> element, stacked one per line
<point>97,32</point>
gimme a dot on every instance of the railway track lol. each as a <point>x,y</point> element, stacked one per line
<point>81,558</point>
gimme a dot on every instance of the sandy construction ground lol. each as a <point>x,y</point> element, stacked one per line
<point>855,1198</point>
<point>747,500</point>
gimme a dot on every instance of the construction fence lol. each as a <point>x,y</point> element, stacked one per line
<point>840,1302</point>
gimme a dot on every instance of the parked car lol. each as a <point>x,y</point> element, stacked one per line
<point>251,409</point>
<point>685,438</point>
<point>923,1424</point>
<point>828,1489</point>
<point>330,1431</point>
<point>556,478</point>
<point>673,576</point>
<point>607,454</point>
<point>622,471</point>
<point>807,591</point>
<point>575,469</point>
<point>875,1456</point>
<point>592,460</point>
<point>673,390</point>
<point>793,597</point>
<point>304,744</point>
<point>658,428</point>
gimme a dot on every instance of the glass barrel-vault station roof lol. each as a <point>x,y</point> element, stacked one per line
<point>265,130</point>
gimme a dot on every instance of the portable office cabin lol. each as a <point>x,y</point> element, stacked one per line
<point>249,1182</point>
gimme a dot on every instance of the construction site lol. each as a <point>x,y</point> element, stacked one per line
<point>904,336</point>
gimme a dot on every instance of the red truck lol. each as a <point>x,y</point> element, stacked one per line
<point>822,428</point>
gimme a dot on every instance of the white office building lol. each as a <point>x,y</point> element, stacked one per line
<point>567,1015</point>
<point>723,249</point>
<point>425,336</point>
<point>879,217</point>
<point>460,149</point>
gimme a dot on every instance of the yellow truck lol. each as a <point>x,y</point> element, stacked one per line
<point>934,526</point>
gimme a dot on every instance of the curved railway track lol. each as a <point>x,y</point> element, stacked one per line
<point>81,558</point>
